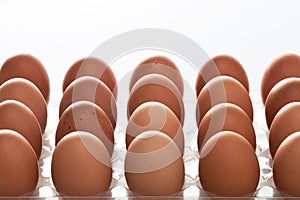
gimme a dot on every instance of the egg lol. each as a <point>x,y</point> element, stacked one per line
<point>223,89</point>
<point>224,117</point>
<point>285,66</point>
<point>86,116</point>
<point>158,65</point>
<point>81,165</point>
<point>282,93</point>
<point>19,172</point>
<point>26,92</point>
<point>18,117</point>
<point>28,67</point>
<point>90,89</point>
<point>285,123</point>
<point>228,165</point>
<point>155,116</point>
<point>153,165</point>
<point>221,65</point>
<point>155,87</point>
<point>91,66</point>
<point>286,165</point>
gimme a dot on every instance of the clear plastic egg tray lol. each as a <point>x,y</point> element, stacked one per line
<point>192,188</point>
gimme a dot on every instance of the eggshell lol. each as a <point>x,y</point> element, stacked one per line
<point>286,165</point>
<point>91,66</point>
<point>153,165</point>
<point>86,116</point>
<point>81,165</point>
<point>221,65</point>
<point>158,65</point>
<point>224,117</point>
<point>28,67</point>
<point>285,66</point>
<point>90,89</point>
<point>228,165</point>
<point>27,93</point>
<point>223,89</point>
<point>284,92</point>
<point>155,87</point>
<point>19,172</point>
<point>155,116</point>
<point>18,117</point>
<point>284,124</point>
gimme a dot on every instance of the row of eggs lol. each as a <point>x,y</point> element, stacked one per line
<point>24,94</point>
<point>227,148</point>
<point>154,137</point>
<point>281,94</point>
<point>85,132</point>
<point>230,77</point>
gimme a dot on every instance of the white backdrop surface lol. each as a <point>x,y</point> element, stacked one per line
<point>61,32</point>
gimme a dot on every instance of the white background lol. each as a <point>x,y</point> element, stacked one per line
<point>61,32</point>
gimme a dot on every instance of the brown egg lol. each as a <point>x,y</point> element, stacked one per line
<point>285,66</point>
<point>158,65</point>
<point>90,89</point>
<point>81,165</point>
<point>86,116</point>
<point>286,165</point>
<point>28,67</point>
<point>153,165</point>
<point>223,89</point>
<point>221,65</point>
<point>224,117</point>
<point>19,172</point>
<point>27,93</point>
<point>18,117</point>
<point>91,66</point>
<point>282,93</point>
<point>284,124</point>
<point>155,87</point>
<point>155,116</point>
<point>228,165</point>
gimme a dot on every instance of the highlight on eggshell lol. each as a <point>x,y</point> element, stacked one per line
<point>224,117</point>
<point>166,152</point>
<point>28,67</point>
<point>16,116</point>
<point>90,89</point>
<point>282,67</point>
<point>89,117</point>
<point>154,116</point>
<point>228,166</point>
<point>286,166</point>
<point>221,65</point>
<point>91,66</point>
<point>285,123</point>
<point>19,166</point>
<point>223,89</point>
<point>153,161</point>
<point>155,87</point>
<point>284,92</point>
<point>81,165</point>
<point>158,65</point>
<point>26,92</point>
